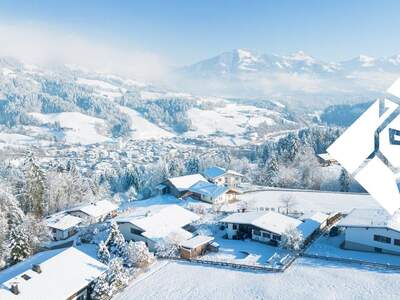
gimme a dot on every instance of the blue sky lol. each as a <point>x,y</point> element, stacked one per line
<point>183,32</point>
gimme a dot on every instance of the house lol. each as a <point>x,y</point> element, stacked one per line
<point>56,274</point>
<point>211,193</point>
<point>62,225</point>
<point>222,176</point>
<point>266,227</point>
<point>312,225</point>
<point>372,230</point>
<point>158,223</point>
<point>326,159</point>
<point>177,186</point>
<point>95,212</point>
<point>195,246</point>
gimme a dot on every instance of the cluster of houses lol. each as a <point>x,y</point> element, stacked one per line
<point>215,185</point>
<point>67,273</point>
<point>63,225</point>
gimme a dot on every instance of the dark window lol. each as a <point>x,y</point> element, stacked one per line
<point>234,226</point>
<point>256,232</point>
<point>266,235</point>
<point>26,277</point>
<point>135,231</point>
<point>382,239</point>
<point>276,237</point>
<point>397,242</point>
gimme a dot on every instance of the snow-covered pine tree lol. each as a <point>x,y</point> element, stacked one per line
<point>344,181</point>
<point>192,165</point>
<point>19,244</point>
<point>101,289</point>
<point>116,241</point>
<point>34,191</point>
<point>103,254</point>
<point>138,254</point>
<point>117,276</point>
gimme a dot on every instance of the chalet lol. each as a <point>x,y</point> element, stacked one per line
<point>265,227</point>
<point>56,274</point>
<point>326,159</point>
<point>95,212</point>
<point>62,225</point>
<point>195,246</point>
<point>222,176</point>
<point>160,222</point>
<point>178,186</point>
<point>371,230</point>
<point>211,193</point>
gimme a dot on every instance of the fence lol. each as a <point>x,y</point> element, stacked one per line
<point>229,264</point>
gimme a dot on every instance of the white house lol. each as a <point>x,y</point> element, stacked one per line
<point>260,226</point>
<point>55,274</point>
<point>62,225</point>
<point>95,212</point>
<point>211,193</point>
<point>158,223</point>
<point>178,186</point>
<point>222,176</point>
<point>371,230</point>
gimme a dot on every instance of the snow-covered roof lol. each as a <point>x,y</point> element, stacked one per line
<point>63,221</point>
<point>325,156</point>
<point>97,209</point>
<point>164,221</point>
<point>270,221</point>
<point>183,183</point>
<point>208,189</point>
<point>197,241</point>
<point>64,272</point>
<point>379,218</point>
<point>214,172</point>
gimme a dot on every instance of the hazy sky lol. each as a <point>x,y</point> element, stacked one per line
<point>182,32</point>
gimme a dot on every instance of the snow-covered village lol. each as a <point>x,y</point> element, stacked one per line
<point>135,167</point>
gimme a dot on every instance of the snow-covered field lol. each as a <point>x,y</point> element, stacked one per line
<point>306,279</point>
<point>78,128</point>
<point>310,201</point>
<point>144,129</point>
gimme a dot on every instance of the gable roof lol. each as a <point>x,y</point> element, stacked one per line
<point>197,241</point>
<point>208,189</point>
<point>270,221</point>
<point>214,172</point>
<point>167,220</point>
<point>183,183</point>
<point>97,209</point>
<point>63,221</point>
<point>377,218</point>
<point>64,272</point>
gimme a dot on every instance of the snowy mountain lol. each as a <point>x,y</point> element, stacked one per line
<point>295,79</point>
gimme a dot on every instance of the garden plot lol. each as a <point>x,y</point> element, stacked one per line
<point>330,247</point>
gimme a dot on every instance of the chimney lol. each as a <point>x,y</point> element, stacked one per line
<point>37,268</point>
<point>14,288</point>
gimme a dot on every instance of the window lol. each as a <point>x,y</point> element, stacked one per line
<point>135,231</point>
<point>382,239</point>
<point>396,242</point>
<point>266,235</point>
<point>256,232</point>
<point>26,277</point>
<point>234,226</point>
<point>276,237</point>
